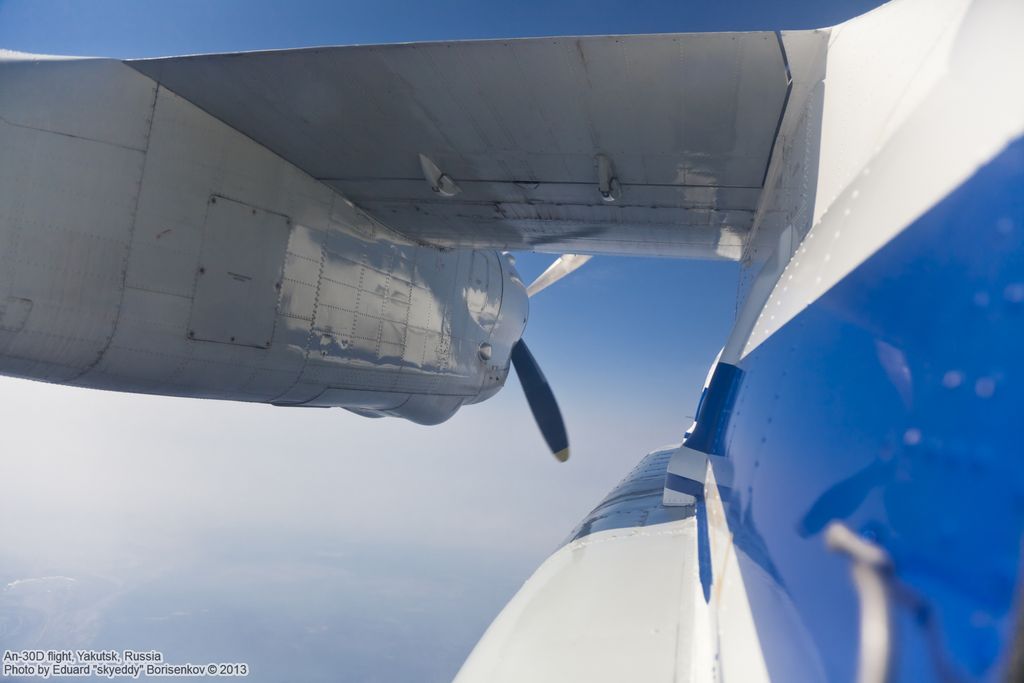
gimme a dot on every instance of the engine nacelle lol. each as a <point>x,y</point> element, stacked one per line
<point>148,247</point>
<point>464,359</point>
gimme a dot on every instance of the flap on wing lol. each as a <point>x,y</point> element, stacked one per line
<point>514,129</point>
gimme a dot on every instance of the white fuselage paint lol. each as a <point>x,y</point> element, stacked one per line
<point>147,247</point>
<point>907,88</point>
<point>622,590</point>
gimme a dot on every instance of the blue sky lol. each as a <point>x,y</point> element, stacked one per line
<point>138,28</point>
<point>352,549</point>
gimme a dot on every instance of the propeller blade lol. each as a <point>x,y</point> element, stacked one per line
<point>542,401</point>
<point>563,265</point>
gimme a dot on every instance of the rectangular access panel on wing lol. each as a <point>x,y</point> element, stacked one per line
<point>238,279</point>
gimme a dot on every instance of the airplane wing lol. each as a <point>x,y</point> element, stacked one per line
<point>654,145</point>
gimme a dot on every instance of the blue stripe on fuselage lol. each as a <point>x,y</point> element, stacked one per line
<point>893,403</point>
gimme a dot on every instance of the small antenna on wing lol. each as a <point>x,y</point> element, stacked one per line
<point>607,184</point>
<point>440,182</point>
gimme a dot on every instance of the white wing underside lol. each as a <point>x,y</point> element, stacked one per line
<point>687,122</point>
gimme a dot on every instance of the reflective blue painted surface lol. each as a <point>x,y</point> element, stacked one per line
<point>893,403</point>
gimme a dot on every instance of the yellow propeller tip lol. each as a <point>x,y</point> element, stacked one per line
<point>562,455</point>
